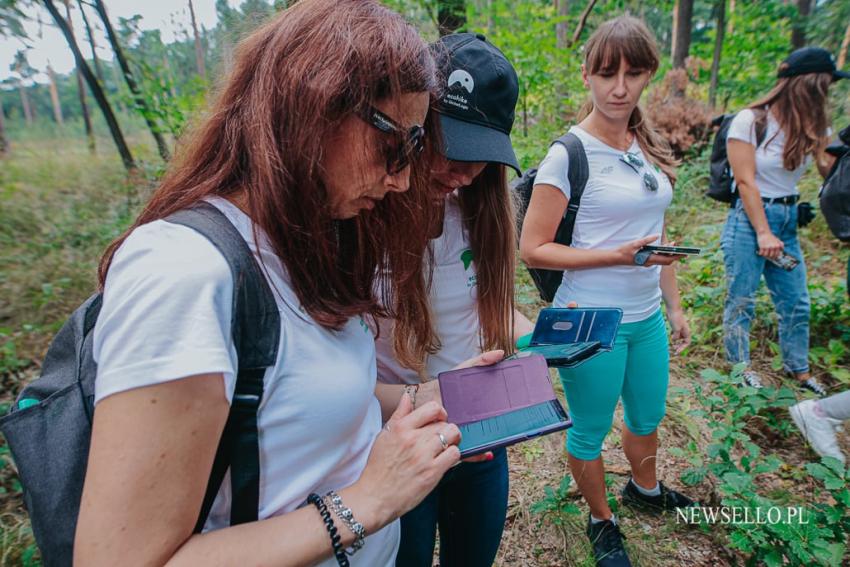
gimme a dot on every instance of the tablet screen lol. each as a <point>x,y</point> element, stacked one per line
<point>512,426</point>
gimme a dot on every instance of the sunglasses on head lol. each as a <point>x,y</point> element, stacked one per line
<point>634,161</point>
<point>413,143</point>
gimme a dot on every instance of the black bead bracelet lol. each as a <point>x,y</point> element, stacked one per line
<point>336,543</point>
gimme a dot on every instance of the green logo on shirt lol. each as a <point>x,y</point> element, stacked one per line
<point>466,258</point>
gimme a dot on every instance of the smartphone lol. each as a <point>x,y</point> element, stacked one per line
<point>562,355</point>
<point>673,250</point>
<point>502,404</point>
<point>785,261</point>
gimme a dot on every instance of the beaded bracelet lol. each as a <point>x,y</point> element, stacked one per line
<point>338,550</point>
<point>345,514</point>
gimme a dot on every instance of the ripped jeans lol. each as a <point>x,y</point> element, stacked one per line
<point>744,269</point>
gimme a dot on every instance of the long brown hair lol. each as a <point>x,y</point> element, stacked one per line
<point>628,37</point>
<point>799,105</point>
<point>489,216</point>
<point>293,82</point>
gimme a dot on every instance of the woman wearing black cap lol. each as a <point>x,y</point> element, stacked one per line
<point>770,145</point>
<point>471,295</point>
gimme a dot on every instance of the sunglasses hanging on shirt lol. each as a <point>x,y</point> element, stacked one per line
<point>399,156</point>
<point>636,163</point>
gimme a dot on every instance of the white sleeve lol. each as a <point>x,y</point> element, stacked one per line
<point>743,127</point>
<point>554,169</point>
<point>166,312</point>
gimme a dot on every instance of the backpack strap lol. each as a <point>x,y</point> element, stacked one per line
<point>577,174</point>
<point>255,327</point>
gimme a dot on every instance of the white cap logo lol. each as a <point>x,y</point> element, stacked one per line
<point>462,77</point>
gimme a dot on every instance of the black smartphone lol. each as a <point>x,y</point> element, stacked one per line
<point>673,250</point>
<point>785,261</point>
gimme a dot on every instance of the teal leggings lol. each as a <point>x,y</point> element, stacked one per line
<point>637,369</point>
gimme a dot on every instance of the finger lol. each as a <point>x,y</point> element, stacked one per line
<point>483,359</point>
<point>648,239</point>
<point>436,435</point>
<point>488,456</point>
<point>404,408</point>
<point>572,305</point>
<point>447,459</point>
<point>425,414</point>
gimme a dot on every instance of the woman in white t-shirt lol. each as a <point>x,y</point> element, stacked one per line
<point>770,145</point>
<point>628,189</point>
<point>471,270</point>
<point>309,151</point>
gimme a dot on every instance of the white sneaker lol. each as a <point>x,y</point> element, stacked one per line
<point>818,431</point>
<point>752,379</point>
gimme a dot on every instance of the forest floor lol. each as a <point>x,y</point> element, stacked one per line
<point>60,207</point>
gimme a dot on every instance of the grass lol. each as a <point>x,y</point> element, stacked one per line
<point>60,207</point>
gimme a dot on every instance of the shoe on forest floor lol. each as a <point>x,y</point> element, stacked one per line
<point>752,379</point>
<point>666,501</point>
<point>812,385</point>
<point>607,541</point>
<point>818,431</point>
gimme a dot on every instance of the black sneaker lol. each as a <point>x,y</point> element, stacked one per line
<point>607,541</point>
<point>813,385</point>
<point>667,501</point>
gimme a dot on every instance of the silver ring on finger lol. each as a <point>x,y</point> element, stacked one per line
<point>443,441</point>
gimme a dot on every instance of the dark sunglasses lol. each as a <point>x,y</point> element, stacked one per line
<point>633,161</point>
<point>413,144</point>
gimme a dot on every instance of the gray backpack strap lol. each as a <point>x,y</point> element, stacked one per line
<point>577,174</point>
<point>256,333</point>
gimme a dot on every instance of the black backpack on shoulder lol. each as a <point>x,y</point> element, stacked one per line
<point>548,281</point>
<point>49,427</point>
<point>721,181</point>
<point>835,191</point>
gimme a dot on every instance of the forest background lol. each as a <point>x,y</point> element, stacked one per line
<point>81,151</point>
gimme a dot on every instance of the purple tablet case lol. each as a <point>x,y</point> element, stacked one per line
<point>473,394</point>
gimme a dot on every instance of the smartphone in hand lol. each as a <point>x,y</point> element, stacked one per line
<point>785,261</point>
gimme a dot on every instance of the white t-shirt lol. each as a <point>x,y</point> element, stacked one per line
<point>772,179</point>
<point>453,301</point>
<point>166,315</point>
<point>615,209</point>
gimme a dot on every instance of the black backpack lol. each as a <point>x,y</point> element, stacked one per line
<point>548,281</point>
<point>49,427</point>
<point>721,181</point>
<point>835,191</point>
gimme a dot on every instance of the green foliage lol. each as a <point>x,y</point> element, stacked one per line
<point>734,463</point>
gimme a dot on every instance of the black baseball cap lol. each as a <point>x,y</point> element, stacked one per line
<point>810,60</point>
<point>476,108</point>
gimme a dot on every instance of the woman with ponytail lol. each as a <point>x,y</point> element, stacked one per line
<point>762,224</point>
<point>629,187</point>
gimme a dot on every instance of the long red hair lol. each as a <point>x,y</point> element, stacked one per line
<point>293,82</point>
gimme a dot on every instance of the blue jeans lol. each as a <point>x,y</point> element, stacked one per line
<point>744,269</point>
<point>470,505</point>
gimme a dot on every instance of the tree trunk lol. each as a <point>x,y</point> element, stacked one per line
<point>798,32</point>
<point>720,29</point>
<point>25,102</point>
<point>4,145</point>
<point>730,27</point>
<point>81,90</point>
<point>451,16</point>
<point>673,32</point>
<point>96,90</point>
<point>842,55</point>
<point>199,50</point>
<point>97,67</point>
<point>131,81</point>
<point>54,96</point>
<point>562,27</point>
<point>682,35</point>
